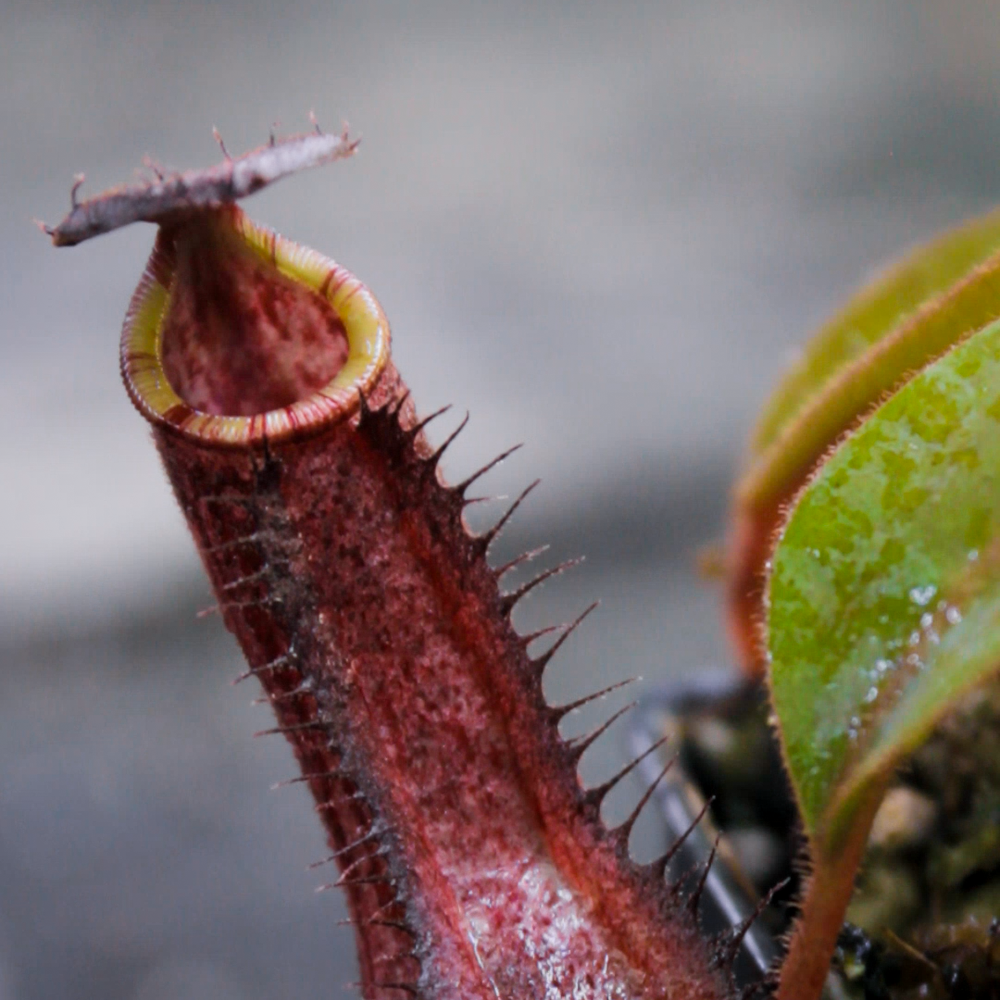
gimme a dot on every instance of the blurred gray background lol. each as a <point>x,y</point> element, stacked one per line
<point>601,228</point>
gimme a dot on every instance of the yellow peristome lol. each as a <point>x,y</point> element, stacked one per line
<point>365,325</point>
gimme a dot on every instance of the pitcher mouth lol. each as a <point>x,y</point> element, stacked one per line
<point>236,335</point>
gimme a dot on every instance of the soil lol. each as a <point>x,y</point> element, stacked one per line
<point>923,922</point>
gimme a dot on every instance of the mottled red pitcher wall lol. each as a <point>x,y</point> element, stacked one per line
<point>475,865</point>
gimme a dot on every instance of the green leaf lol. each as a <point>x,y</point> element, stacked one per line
<point>884,589</point>
<point>912,314</point>
<point>872,313</point>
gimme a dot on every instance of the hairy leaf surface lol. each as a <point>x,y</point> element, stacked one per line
<point>885,586</point>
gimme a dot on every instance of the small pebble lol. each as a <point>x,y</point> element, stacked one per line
<point>905,819</point>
